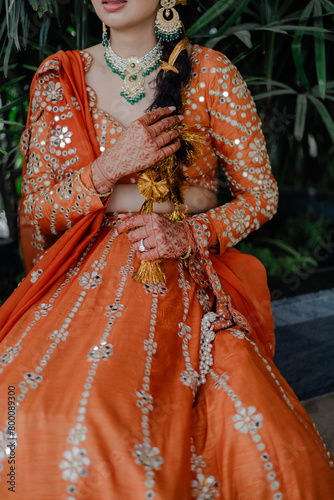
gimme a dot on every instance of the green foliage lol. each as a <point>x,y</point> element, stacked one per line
<point>292,248</point>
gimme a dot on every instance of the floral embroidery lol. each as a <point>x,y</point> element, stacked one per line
<point>77,434</point>
<point>8,356</point>
<point>148,456</point>
<point>258,153</point>
<point>246,420</point>
<point>190,378</point>
<point>53,92</point>
<point>33,379</point>
<point>204,300</point>
<point>100,352</point>
<point>88,280</point>
<point>240,220</point>
<point>74,465</point>
<point>240,87</point>
<point>61,136</point>
<point>159,288</point>
<point>204,488</point>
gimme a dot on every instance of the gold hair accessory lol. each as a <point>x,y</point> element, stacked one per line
<point>169,66</point>
<point>91,191</point>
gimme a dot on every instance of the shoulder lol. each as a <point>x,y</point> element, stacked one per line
<point>210,60</point>
<point>218,73</point>
<point>65,59</point>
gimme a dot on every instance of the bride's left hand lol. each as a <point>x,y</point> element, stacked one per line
<point>161,237</point>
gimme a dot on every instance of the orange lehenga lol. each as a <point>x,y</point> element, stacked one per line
<point>127,390</point>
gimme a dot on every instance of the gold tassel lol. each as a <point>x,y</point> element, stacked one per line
<point>166,181</point>
<point>150,271</point>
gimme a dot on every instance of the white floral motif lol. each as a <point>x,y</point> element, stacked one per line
<point>204,488</point>
<point>33,379</point>
<point>221,382</point>
<point>53,92</point>
<point>100,352</point>
<point>240,220</point>
<point>145,400</point>
<point>35,275</point>
<point>158,288</point>
<point>190,378</point>
<point>246,420</point>
<point>73,466</point>
<point>88,280</point>
<point>204,300</point>
<point>148,456</point>
<point>151,346</point>
<point>61,136</point>
<point>240,87</point>
<point>43,310</point>
<point>8,356</point>
<point>77,434</point>
<point>258,153</point>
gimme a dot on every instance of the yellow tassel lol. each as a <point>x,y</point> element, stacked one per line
<point>150,271</point>
<point>151,187</point>
<point>166,181</point>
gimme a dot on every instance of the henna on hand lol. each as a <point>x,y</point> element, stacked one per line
<point>141,145</point>
<point>162,237</point>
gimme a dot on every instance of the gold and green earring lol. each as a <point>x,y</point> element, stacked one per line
<point>168,25</point>
<point>105,40</point>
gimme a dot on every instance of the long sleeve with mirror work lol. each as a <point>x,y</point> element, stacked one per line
<point>55,148</point>
<point>237,139</point>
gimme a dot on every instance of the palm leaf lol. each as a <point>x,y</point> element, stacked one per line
<point>325,116</point>
<point>210,15</point>
<point>319,48</point>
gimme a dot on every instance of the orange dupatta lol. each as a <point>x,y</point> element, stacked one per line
<point>66,250</point>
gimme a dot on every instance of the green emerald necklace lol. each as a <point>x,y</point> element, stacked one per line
<point>133,70</point>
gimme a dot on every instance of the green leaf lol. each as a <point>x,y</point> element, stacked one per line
<point>11,83</point>
<point>3,151</point>
<point>210,15</point>
<point>273,93</point>
<point>297,48</point>
<point>325,116</point>
<point>245,37</point>
<point>319,48</point>
<point>300,119</point>
<point>230,21</point>
<point>14,103</point>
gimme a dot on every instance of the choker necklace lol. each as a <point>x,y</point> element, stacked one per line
<point>133,70</point>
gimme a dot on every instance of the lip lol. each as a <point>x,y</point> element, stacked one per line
<point>113,5</point>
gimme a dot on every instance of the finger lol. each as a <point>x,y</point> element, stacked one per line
<point>138,234</point>
<point>166,137</point>
<point>155,115</point>
<point>134,221</point>
<point>167,150</point>
<point>162,125</point>
<point>149,255</point>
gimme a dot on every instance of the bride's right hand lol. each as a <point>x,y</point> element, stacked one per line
<point>140,146</point>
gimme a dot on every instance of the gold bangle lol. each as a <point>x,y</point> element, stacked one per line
<point>186,255</point>
<point>91,191</point>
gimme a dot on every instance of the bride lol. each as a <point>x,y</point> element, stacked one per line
<point>136,357</point>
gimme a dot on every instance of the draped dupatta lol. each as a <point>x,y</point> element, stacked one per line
<point>66,250</point>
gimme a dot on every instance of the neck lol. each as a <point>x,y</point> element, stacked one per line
<point>135,42</point>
